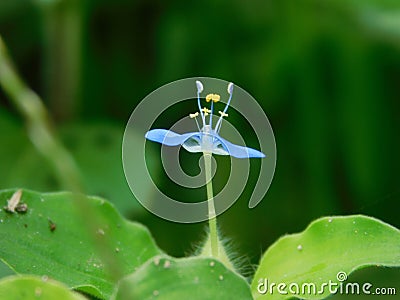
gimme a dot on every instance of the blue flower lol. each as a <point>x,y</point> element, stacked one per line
<point>207,139</point>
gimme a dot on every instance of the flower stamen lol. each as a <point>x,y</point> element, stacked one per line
<point>219,124</point>
<point>192,116</point>
<point>213,97</point>
<point>223,114</point>
<point>205,110</point>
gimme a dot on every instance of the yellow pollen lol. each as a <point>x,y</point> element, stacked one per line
<point>194,115</point>
<point>206,114</point>
<point>205,110</point>
<point>223,114</point>
<point>215,98</point>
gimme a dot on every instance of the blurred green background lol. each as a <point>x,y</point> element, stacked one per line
<point>327,73</point>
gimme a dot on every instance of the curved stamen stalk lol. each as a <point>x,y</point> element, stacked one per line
<point>219,124</point>
<point>230,91</point>
<point>212,220</point>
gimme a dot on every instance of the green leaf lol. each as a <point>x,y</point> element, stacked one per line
<point>52,239</point>
<point>194,278</point>
<point>327,247</point>
<point>33,288</point>
<point>5,270</point>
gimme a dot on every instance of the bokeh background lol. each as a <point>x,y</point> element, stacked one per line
<point>327,73</point>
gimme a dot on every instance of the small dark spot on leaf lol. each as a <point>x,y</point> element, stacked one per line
<point>26,225</point>
<point>52,226</point>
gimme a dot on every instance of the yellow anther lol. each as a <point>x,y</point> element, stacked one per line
<point>194,115</point>
<point>215,97</point>
<point>223,114</point>
<point>206,114</point>
<point>205,110</point>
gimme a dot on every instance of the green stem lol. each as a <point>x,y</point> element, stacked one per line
<point>212,219</point>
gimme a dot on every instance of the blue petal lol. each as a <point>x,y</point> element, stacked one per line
<point>236,150</point>
<point>192,142</point>
<point>168,137</point>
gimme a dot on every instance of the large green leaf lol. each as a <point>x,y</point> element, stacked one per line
<point>32,288</point>
<point>52,239</point>
<point>330,248</point>
<point>195,278</point>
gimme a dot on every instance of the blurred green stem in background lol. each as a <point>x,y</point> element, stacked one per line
<point>38,124</point>
<point>31,107</point>
<point>212,219</point>
<point>62,26</point>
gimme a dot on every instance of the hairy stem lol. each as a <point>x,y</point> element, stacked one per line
<point>212,219</point>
